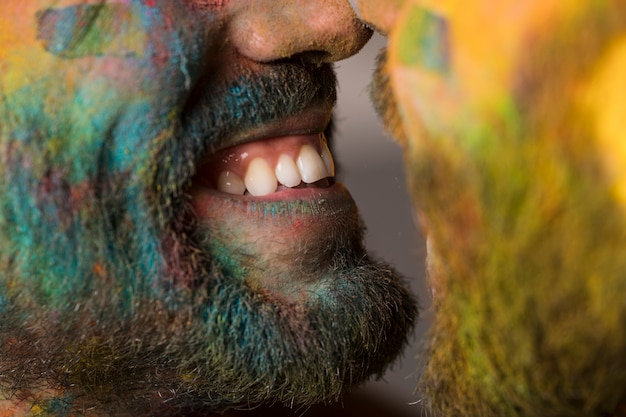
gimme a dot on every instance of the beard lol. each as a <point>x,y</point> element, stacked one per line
<point>525,238</point>
<point>111,297</point>
<point>226,347</point>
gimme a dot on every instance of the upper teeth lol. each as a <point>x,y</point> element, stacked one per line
<point>262,179</point>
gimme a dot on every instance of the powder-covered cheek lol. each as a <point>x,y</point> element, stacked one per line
<point>92,30</point>
<point>87,96</point>
<point>95,72</point>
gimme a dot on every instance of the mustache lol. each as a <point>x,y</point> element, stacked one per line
<point>260,94</point>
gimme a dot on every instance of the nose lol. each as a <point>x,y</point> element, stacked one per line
<point>322,30</point>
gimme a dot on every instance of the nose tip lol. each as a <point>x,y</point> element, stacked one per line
<point>320,30</point>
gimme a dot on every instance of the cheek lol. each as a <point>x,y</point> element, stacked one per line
<point>422,70</point>
<point>97,68</point>
<point>134,45</point>
<point>602,99</point>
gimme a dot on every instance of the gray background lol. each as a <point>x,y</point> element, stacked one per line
<point>372,169</point>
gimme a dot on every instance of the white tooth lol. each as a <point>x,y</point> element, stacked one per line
<point>311,166</point>
<point>328,159</point>
<point>260,179</point>
<point>231,183</point>
<point>287,171</point>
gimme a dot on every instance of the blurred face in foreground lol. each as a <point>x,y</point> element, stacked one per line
<point>172,239</point>
<point>512,116</point>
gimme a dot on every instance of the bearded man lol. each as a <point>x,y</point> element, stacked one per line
<point>512,116</point>
<point>172,240</point>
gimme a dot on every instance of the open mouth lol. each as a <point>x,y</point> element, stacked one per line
<point>287,159</point>
<point>269,166</point>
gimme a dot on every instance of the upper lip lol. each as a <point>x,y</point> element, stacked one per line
<point>313,120</point>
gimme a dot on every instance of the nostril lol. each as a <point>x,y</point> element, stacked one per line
<point>316,57</point>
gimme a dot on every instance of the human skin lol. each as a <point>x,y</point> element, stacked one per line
<point>136,277</point>
<point>512,116</point>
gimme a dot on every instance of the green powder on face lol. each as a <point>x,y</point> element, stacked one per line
<point>92,30</point>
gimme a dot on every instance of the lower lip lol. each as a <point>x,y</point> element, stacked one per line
<point>316,201</point>
<point>288,214</point>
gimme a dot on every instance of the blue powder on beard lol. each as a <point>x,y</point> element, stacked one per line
<point>92,242</point>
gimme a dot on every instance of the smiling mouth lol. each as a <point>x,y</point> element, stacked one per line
<point>273,161</point>
<point>273,165</point>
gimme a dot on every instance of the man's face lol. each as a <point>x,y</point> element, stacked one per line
<point>512,117</point>
<point>172,237</point>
